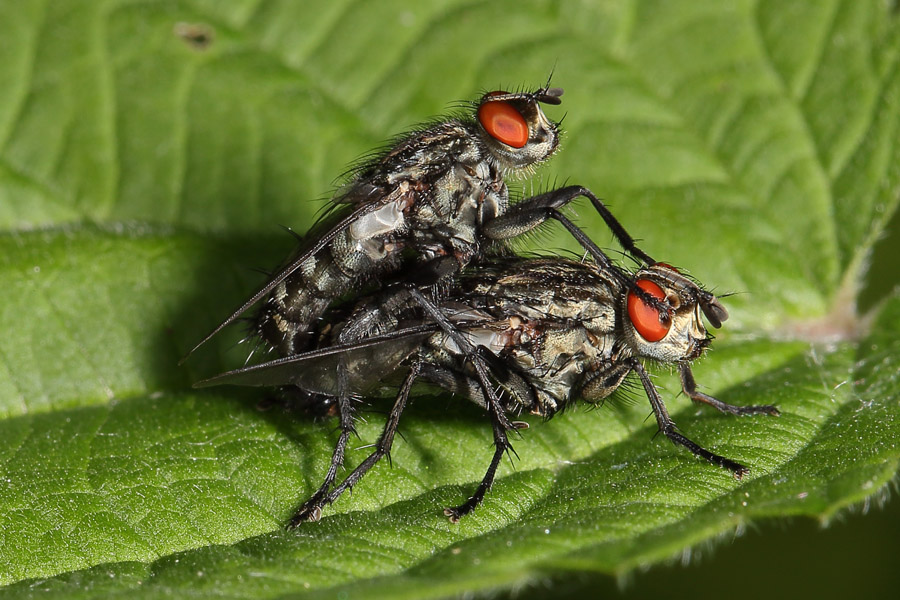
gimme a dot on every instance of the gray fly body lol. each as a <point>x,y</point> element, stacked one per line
<point>433,203</point>
<point>545,332</point>
<point>418,235</point>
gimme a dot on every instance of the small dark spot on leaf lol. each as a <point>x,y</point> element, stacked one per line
<point>196,35</point>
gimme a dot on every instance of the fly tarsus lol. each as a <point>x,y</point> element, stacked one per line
<point>689,385</point>
<point>500,424</point>
<point>667,425</point>
<point>312,508</point>
<point>501,446</point>
<point>731,409</point>
<point>737,469</point>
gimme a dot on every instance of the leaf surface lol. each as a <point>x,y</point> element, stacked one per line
<point>150,149</point>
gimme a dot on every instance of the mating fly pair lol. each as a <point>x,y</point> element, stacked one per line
<point>511,334</point>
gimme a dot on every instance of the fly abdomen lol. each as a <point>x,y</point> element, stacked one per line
<point>288,319</point>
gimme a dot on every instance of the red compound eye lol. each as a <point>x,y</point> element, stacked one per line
<point>503,122</point>
<point>645,318</point>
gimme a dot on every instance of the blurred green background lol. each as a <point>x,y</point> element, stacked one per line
<point>855,555</point>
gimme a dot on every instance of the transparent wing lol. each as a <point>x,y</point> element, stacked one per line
<point>366,362</point>
<point>323,235</point>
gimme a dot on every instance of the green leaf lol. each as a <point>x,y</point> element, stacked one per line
<point>149,150</point>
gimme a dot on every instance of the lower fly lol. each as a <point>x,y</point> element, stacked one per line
<point>514,336</point>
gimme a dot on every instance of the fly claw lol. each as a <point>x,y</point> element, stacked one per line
<point>409,276</point>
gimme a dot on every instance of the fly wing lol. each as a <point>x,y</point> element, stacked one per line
<point>323,235</point>
<point>366,362</point>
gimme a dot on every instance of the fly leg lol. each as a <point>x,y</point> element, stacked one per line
<point>532,212</point>
<point>690,388</point>
<point>499,422</point>
<point>499,425</point>
<point>311,510</point>
<point>492,400</point>
<point>383,447</point>
<point>501,445</point>
<point>667,425</point>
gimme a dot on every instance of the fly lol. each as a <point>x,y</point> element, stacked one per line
<point>433,203</point>
<point>547,331</point>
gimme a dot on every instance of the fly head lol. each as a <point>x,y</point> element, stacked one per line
<point>677,335</point>
<point>515,130</point>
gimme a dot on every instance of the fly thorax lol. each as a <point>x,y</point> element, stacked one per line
<point>379,222</point>
<point>500,337</point>
<point>450,216</point>
<point>563,382</point>
<point>553,360</point>
<point>487,190</point>
<point>371,239</point>
<point>494,203</point>
<point>435,210</point>
<point>562,352</point>
<point>555,365</point>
